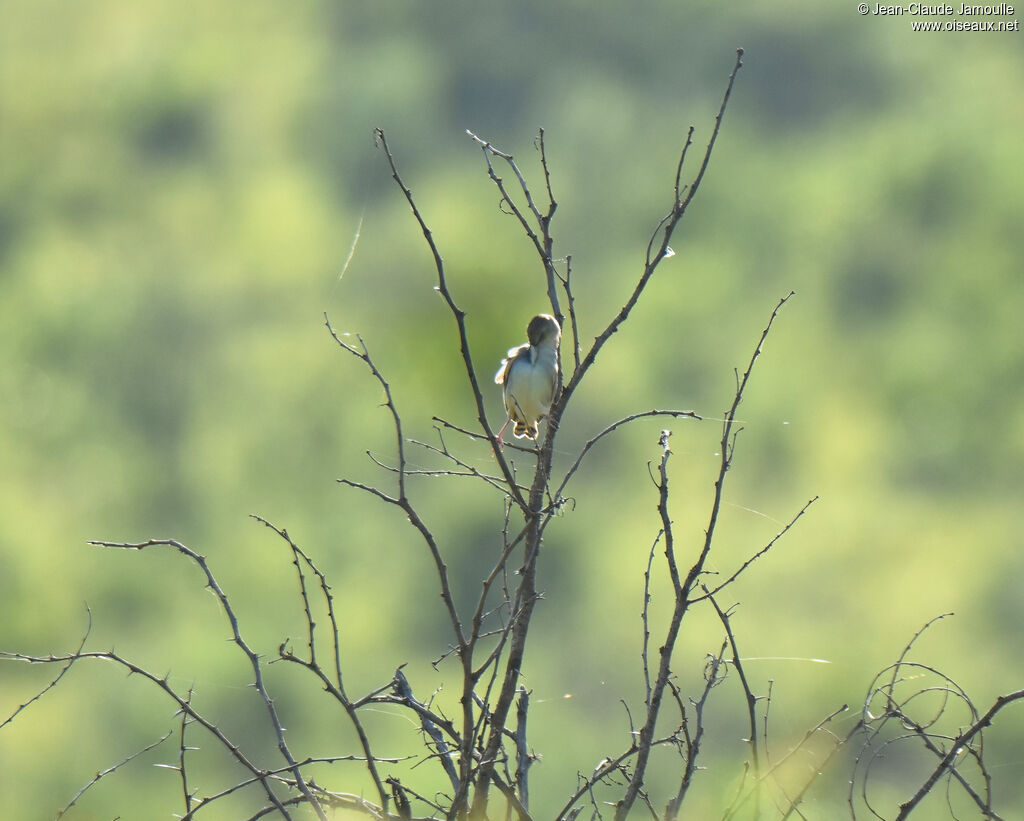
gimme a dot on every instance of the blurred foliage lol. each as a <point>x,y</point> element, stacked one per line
<point>180,186</point>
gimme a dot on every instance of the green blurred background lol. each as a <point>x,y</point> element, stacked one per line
<point>180,186</point>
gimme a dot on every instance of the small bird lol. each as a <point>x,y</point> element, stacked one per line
<point>530,376</point>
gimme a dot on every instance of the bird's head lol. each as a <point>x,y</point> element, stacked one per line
<point>543,330</point>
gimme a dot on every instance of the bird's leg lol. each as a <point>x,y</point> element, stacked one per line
<point>501,442</point>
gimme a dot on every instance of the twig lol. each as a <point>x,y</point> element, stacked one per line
<point>460,320</point>
<point>816,771</point>
<point>429,724</point>
<point>523,757</point>
<point>402,500</point>
<point>683,587</point>
<point>544,242</point>
<point>337,687</point>
<point>757,555</point>
<point>644,619</point>
<point>613,427</point>
<point>667,227</point>
<point>646,735</point>
<point>751,700</point>
<point>112,768</point>
<point>481,437</point>
<point>71,660</point>
<point>468,470</point>
<point>693,741</point>
<point>187,795</point>
<point>327,797</point>
<point>183,704</point>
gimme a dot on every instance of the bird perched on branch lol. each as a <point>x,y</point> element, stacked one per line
<point>530,376</point>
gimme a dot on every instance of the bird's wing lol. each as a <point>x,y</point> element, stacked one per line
<point>506,364</point>
<point>499,377</point>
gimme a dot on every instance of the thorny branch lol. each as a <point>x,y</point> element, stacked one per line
<point>681,201</point>
<point>335,686</point>
<point>460,320</point>
<point>543,242</point>
<point>250,654</point>
<point>113,768</point>
<point>260,776</point>
<point>67,666</point>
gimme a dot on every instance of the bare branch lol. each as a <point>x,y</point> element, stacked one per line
<point>523,757</point>
<point>460,321</point>
<point>184,705</point>
<point>757,555</point>
<point>612,427</point>
<point>112,768</point>
<point>646,736</point>
<point>480,437</point>
<point>755,757</point>
<point>566,282</point>
<point>363,354</point>
<point>468,471</point>
<point>645,620</point>
<point>402,500</point>
<point>683,587</point>
<point>183,748</point>
<point>71,660</point>
<point>337,687</point>
<point>691,742</point>
<point>544,242</point>
<point>429,723</point>
<point>667,226</point>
